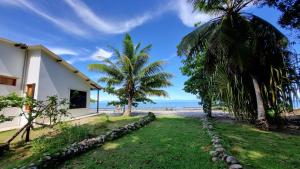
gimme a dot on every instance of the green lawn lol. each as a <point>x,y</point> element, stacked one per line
<point>259,149</point>
<point>168,142</point>
<point>52,140</point>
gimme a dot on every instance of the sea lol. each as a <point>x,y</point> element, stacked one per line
<point>159,104</point>
<point>166,104</point>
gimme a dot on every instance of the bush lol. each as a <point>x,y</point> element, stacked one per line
<point>68,135</point>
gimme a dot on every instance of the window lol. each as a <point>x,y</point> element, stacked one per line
<point>77,99</point>
<point>5,80</point>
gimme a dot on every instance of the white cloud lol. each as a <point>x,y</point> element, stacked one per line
<point>100,54</point>
<point>186,14</point>
<point>65,25</point>
<point>63,51</point>
<point>110,27</point>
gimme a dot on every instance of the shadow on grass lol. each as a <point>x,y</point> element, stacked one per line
<point>260,149</point>
<point>168,142</point>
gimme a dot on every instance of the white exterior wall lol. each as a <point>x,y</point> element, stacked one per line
<point>49,77</point>
<point>56,79</point>
<point>11,64</point>
<point>33,70</point>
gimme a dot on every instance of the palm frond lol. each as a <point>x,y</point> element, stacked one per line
<point>152,68</point>
<point>128,47</point>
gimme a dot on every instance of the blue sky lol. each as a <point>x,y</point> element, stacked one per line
<point>80,31</point>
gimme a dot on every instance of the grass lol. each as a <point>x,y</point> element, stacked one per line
<point>259,149</point>
<point>51,140</point>
<point>168,142</point>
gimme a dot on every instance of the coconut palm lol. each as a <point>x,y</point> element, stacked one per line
<point>131,76</point>
<point>251,49</point>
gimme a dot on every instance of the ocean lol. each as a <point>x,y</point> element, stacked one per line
<point>166,104</point>
<point>169,104</point>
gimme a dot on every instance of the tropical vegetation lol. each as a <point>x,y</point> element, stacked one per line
<point>290,13</point>
<point>129,75</point>
<point>248,59</point>
<point>53,108</point>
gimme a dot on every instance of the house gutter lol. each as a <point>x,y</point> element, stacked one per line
<point>25,65</point>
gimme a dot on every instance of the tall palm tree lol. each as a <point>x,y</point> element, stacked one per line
<point>130,75</point>
<point>250,48</point>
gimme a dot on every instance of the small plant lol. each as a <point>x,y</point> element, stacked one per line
<point>52,108</point>
<point>68,135</point>
<point>107,118</point>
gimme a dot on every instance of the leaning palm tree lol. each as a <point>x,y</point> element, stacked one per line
<point>255,54</point>
<point>131,76</point>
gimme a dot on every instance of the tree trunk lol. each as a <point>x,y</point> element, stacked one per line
<point>16,134</point>
<point>27,138</point>
<point>129,107</point>
<point>207,107</point>
<point>261,121</point>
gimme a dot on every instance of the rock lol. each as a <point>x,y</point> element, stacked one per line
<point>231,160</point>
<point>217,145</point>
<point>224,157</point>
<point>213,153</point>
<point>220,149</point>
<point>235,166</point>
<point>214,159</point>
<point>47,157</point>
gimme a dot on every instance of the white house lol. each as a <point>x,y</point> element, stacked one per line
<point>38,72</point>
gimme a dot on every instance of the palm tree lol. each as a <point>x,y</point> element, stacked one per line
<point>130,75</point>
<point>251,49</point>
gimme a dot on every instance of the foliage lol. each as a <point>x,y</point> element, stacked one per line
<point>52,108</point>
<point>130,77</point>
<point>55,109</point>
<point>198,82</point>
<point>67,135</point>
<point>290,12</point>
<point>239,47</point>
<point>12,100</point>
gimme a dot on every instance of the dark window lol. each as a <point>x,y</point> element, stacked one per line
<point>8,80</point>
<point>77,99</point>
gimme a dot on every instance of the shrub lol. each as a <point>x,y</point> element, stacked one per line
<point>68,135</point>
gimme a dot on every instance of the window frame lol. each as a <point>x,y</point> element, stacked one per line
<point>14,80</point>
<point>78,107</point>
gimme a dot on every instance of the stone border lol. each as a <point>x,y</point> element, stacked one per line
<point>218,152</point>
<point>52,160</point>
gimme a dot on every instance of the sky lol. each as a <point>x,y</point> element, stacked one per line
<point>80,31</point>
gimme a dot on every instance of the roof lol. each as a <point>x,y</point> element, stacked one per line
<point>92,83</point>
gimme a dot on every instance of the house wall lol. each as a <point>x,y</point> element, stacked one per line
<point>56,79</point>
<point>49,76</point>
<point>33,70</point>
<point>11,64</point>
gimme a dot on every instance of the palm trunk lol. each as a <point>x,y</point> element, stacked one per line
<point>261,113</point>
<point>129,107</point>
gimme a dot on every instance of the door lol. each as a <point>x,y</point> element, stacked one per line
<point>30,93</point>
